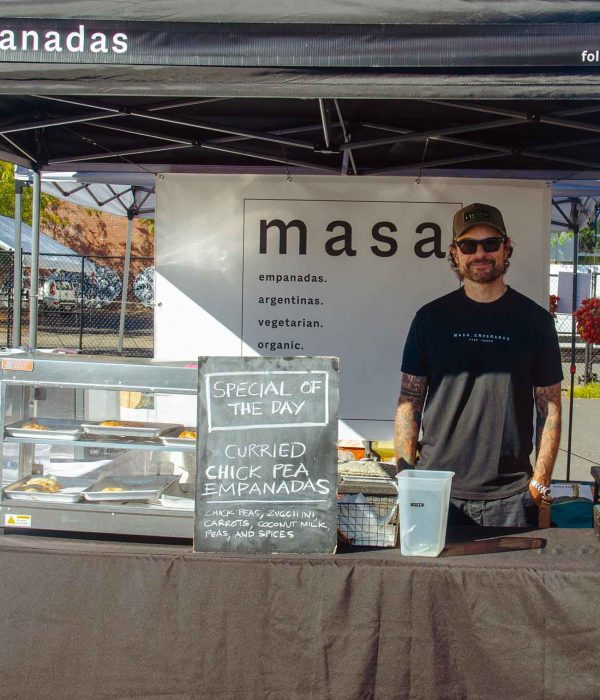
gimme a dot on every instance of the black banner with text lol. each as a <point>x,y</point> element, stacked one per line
<point>223,44</point>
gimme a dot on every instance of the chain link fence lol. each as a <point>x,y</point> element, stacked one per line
<point>586,356</point>
<point>79,307</point>
<point>79,304</point>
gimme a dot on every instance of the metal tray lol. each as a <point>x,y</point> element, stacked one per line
<point>58,429</point>
<point>171,438</point>
<point>71,493</point>
<point>135,488</point>
<point>179,496</point>
<point>131,429</point>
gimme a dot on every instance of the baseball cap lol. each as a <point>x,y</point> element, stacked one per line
<point>475,214</point>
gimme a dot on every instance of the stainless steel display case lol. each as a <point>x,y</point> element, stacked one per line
<point>48,403</point>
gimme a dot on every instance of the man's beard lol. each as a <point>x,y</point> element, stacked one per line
<point>485,274</point>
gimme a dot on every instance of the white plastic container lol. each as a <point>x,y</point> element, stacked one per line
<point>423,499</point>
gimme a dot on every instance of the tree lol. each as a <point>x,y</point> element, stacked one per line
<point>48,216</point>
<point>7,196</point>
<point>589,243</point>
<point>587,240</point>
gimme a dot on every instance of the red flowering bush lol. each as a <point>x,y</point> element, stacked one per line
<point>587,317</point>
<point>553,304</point>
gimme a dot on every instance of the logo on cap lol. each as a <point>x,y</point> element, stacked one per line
<point>477,214</point>
<point>474,214</point>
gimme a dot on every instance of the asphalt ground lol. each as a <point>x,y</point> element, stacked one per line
<point>140,344</point>
<point>585,441</point>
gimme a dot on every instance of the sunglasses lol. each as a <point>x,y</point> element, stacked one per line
<point>468,246</point>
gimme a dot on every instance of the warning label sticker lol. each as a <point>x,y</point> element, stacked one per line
<point>17,520</point>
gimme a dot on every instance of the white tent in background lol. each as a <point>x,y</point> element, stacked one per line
<point>129,194</point>
<point>108,191</point>
<point>97,284</point>
<point>52,251</point>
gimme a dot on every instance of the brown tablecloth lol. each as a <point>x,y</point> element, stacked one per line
<point>86,619</point>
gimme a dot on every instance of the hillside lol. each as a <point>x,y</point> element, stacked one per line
<point>90,232</point>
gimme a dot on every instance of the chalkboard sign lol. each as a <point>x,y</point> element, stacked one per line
<point>267,454</point>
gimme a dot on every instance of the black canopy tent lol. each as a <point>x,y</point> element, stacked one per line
<point>364,88</point>
<point>472,88</point>
<point>471,49</point>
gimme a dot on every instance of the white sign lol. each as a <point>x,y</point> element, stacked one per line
<point>17,520</point>
<point>329,266</point>
<point>565,290</point>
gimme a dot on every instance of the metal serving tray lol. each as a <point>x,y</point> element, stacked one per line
<point>135,488</point>
<point>171,438</point>
<point>73,487</point>
<point>131,429</point>
<point>179,496</point>
<point>58,429</point>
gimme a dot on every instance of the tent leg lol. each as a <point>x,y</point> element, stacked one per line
<point>125,284</point>
<point>573,368</point>
<point>18,265</point>
<point>81,304</point>
<point>35,258</point>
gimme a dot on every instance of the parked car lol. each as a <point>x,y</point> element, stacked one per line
<point>6,294</point>
<point>58,295</point>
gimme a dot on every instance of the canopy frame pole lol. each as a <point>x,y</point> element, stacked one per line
<point>59,121</point>
<point>272,136</point>
<point>276,132</point>
<point>17,149</point>
<point>553,120</point>
<point>17,266</point>
<point>35,257</point>
<point>446,139</point>
<point>222,129</point>
<point>415,166</point>
<point>482,156</point>
<point>81,303</point>
<point>573,368</point>
<point>433,133</point>
<point>94,104</point>
<point>112,154</point>
<point>325,111</point>
<point>347,156</point>
<point>536,152</point>
<point>126,264</point>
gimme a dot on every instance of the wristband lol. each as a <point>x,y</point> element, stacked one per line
<point>544,490</point>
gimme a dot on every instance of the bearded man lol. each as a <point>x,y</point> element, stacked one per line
<point>475,363</point>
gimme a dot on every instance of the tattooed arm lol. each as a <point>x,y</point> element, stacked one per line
<point>408,417</point>
<point>547,434</point>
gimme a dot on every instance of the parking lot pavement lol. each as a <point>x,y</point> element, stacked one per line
<point>585,443</point>
<point>96,342</point>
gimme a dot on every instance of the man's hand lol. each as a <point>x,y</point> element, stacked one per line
<point>535,494</point>
<point>402,464</point>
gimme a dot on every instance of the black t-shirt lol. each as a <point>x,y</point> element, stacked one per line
<point>481,361</point>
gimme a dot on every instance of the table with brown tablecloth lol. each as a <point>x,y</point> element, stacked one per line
<point>94,619</point>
